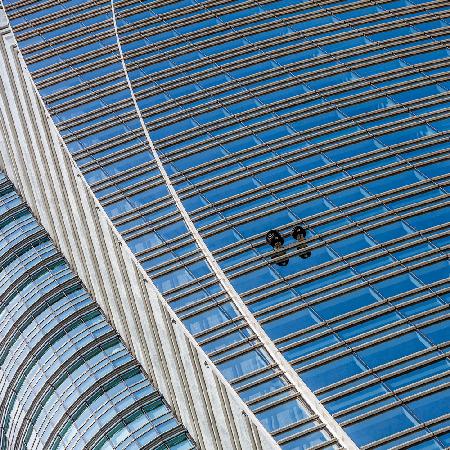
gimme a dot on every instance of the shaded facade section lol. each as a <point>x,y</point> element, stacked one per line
<point>66,379</point>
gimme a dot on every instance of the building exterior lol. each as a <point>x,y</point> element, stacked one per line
<point>279,172</point>
<point>67,380</point>
<point>34,158</point>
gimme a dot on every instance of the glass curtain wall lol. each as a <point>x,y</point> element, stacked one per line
<point>66,379</point>
<point>329,115</point>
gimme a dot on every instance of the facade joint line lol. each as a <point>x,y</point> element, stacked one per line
<point>307,395</point>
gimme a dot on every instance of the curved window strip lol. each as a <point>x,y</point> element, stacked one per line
<point>67,380</point>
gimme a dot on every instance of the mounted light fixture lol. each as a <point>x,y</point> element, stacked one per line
<point>299,234</point>
<point>276,241</point>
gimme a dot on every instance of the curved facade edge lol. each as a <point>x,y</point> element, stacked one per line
<point>34,157</point>
<point>66,380</point>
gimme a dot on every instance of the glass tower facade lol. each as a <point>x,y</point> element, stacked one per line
<point>66,379</point>
<point>203,125</point>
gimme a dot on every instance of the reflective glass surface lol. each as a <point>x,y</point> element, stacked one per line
<point>66,379</point>
<point>267,115</point>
